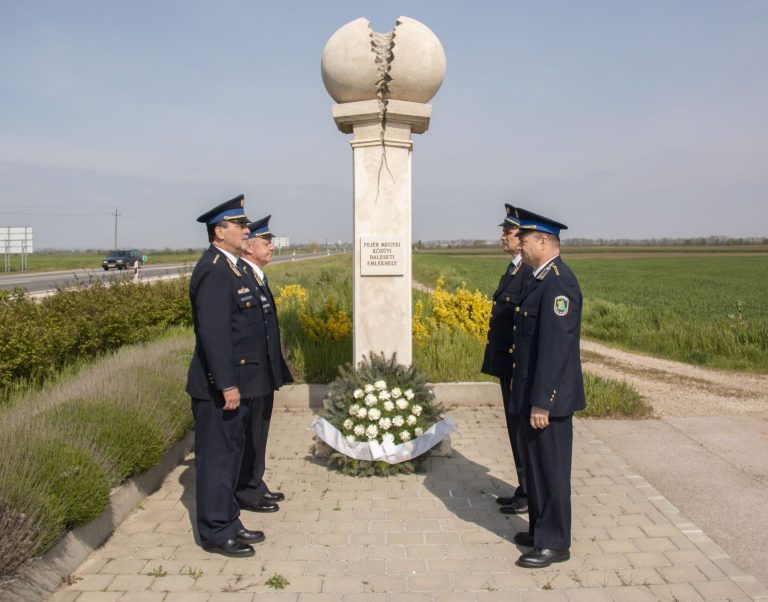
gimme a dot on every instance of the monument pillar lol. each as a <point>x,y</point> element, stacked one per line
<point>382,82</point>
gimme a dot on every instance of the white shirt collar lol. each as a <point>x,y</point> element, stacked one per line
<point>545,264</point>
<point>257,269</point>
<point>517,259</point>
<point>228,255</point>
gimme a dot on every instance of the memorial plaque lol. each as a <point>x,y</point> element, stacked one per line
<point>381,256</point>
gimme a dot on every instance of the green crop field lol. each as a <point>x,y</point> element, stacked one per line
<point>54,262</point>
<point>710,310</point>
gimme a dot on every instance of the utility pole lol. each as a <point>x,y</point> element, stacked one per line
<point>116,216</point>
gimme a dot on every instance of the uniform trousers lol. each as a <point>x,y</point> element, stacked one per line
<point>516,437</point>
<point>251,486</point>
<point>219,444</point>
<point>548,463</point>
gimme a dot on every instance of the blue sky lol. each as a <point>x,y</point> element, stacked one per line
<point>621,119</point>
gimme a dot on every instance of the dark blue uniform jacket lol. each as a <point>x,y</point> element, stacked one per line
<point>230,337</point>
<point>499,351</point>
<point>547,366</point>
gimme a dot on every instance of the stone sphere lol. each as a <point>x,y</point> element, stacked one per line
<point>407,63</point>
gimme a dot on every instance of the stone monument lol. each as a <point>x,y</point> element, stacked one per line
<point>382,82</point>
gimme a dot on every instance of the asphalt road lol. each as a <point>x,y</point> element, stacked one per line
<point>47,282</point>
<point>714,469</point>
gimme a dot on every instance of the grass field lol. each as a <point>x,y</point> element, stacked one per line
<point>708,310</point>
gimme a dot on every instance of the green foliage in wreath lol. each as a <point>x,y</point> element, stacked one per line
<point>377,400</point>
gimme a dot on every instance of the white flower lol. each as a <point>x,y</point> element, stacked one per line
<point>371,432</point>
<point>359,430</point>
<point>370,400</point>
<point>374,414</point>
<point>389,406</point>
<point>354,409</point>
<point>351,438</point>
<point>380,385</point>
<point>368,388</point>
<point>416,409</point>
<point>405,436</point>
<point>358,393</point>
<point>388,437</point>
<point>418,431</point>
<point>348,424</point>
<point>408,394</point>
<point>362,413</point>
<point>396,392</point>
<point>398,420</point>
<point>384,395</point>
<point>411,420</point>
<point>401,403</point>
<point>385,424</point>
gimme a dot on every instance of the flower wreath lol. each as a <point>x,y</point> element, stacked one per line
<point>380,418</point>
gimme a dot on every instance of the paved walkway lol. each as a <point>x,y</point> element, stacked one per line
<point>434,537</point>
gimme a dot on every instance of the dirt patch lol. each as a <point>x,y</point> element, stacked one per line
<point>677,389</point>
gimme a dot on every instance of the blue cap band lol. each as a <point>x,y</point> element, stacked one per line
<point>226,215</point>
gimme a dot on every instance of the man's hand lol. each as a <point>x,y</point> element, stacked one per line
<point>539,418</point>
<point>231,398</point>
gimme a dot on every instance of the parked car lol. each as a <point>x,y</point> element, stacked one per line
<point>122,259</point>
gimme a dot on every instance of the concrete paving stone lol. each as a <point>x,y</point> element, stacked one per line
<point>138,526</point>
<point>665,530</point>
<point>752,587</point>
<point>137,596</point>
<point>361,567</point>
<point>631,594</point>
<point>189,554</point>
<point>384,526</point>
<point>231,597</point>
<point>305,552</point>
<point>609,561</point>
<point>718,590</point>
<point>173,540</point>
<point>640,576</point>
<point>218,583</point>
<point>406,567</point>
<point>172,583</point>
<point>617,546</point>
<point>152,552</point>
<point>647,559</point>
<point>369,597</point>
<point>117,567</point>
<point>683,542</point>
<point>99,596</point>
<point>385,552</point>
<point>326,567</point>
<point>655,544</point>
<point>425,552</point>
<point>440,537</point>
<point>682,574</point>
<point>488,565</point>
<point>674,592</point>
<point>409,538</point>
<point>385,583</point>
<point>131,583</point>
<point>344,585</point>
<point>368,539</point>
<point>542,596</point>
<point>595,577</point>
<point>585,548</point>
<point>92,565</point>
<point>556,579</point>
<point>287,568</point>
<point>629,532</point>
<point>513,580</point>
<point>64,596</point>
<point>711,570</point>
<point>597,521</point>
<point>447,566</point>
<point>589,534</point>
<point>296,583</point>
<point>588,594</point>
<point>410,597</point>
<point>96,583</point>
<point>346,552</point>
<point>428,583</point>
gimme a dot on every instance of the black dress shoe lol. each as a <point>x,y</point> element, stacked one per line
<point>542,557</point>
<point>273,496</point>
<point>234,548</point>
<point>519,507</point>
<point>523,538</point>
<point>261,506</point>
<point>248,536</point>
<point>507,501</point>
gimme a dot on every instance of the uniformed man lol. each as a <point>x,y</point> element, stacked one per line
<point>547,387</point>
<point>272,372</point>
<point>222,378</point>
<point>499,351</point>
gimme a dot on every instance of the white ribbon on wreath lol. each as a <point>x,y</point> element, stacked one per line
<point>387,451</point>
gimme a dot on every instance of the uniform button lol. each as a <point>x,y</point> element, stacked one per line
<point>525,314</point>
<point>242,362</point>
<point>494,302</point>
<point>514,328</point>
<point>510,350</point>
<point>517,308</point>
<point>506,299</point>
<point>514,366</point>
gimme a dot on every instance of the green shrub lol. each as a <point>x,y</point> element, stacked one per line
<point>608,398</point>
<point>128,437</point>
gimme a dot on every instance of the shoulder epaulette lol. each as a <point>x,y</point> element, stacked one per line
<point>216,258</point>
<point>546,271</point>
<point>555,270</point>
<point>517,268</point>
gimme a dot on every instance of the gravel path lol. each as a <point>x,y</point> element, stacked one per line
<point>677,389</point>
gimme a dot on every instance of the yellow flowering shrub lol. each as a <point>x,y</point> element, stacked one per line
<point>468,310</point>
<point>418,328</point>
<point>291,292</point>
<point>328,324</point>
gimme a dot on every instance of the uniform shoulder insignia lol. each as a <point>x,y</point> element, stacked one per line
<point>546,271</point>
<point>517,268</point>
<point>216,258</point>
<point>555,270</point>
